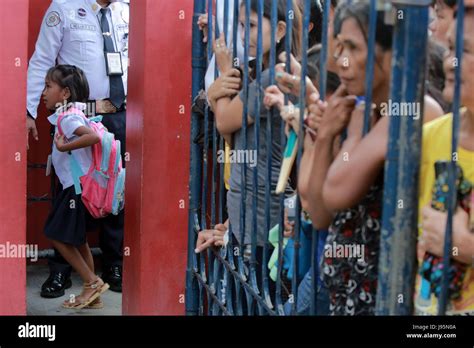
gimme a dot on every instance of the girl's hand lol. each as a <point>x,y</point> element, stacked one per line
<point>227,85</point>
<point>60,142</point>
<point>290,83</point>
<point>291,115</point>
<point>273,97</point>
<point>223,55</point>
<point>210,238</point>
<point>203,25</point>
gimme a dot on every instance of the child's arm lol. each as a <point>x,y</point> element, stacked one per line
<point>211,237</point>
<point>87,137</point>
<point>228,115</point>
<point>274,97</point>
<point>304,174</point>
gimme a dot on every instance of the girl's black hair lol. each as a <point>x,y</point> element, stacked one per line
<point>73,78</point>
<point>360,11</point>
<point>450,3</point>
<point>281,16</point>
<point>316,34</point>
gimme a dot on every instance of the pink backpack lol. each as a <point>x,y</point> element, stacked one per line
<point>103,186</point>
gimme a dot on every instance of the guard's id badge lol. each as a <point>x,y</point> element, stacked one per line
<point>114,64</point>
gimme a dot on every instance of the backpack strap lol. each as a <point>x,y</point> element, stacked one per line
<point>106,151</point>
<point>58,123</point>
<point>97,118</point>
<point>71,111</point>
<point>118,156</point>
<point>76,172</point>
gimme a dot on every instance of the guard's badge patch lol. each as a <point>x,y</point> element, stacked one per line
<point>53,19</point>
<point>82,13</point>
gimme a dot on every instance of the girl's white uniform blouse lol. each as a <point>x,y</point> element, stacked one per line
<point>61,160</point>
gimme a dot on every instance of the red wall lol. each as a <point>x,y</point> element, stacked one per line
<point>158,143</point>
<point>13,65</point>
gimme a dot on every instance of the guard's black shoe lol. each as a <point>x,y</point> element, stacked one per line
<point>55,285</point>
<point>113,276</point>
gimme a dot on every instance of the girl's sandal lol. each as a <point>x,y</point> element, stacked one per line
<point>99,288</point>
<point>72,303</point>
<point>96,304</point>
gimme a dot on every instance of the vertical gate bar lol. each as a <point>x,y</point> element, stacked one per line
<point>369,68</point>
<point>390,190</point>
<point>397,260</point>
<point>314,271</point>
<point>244,118</point>
<point>245,147</point>
<point>205,266</point>
<point>322,95</point>
<point>214,267</point>
<point>199,69</point>
<point>206,125</point>
<point>234,29</point>
<point>443,299</point>
<point>269,128</point>
<point>253,258</point>
<point>222,144</point>
<point>238,287</point>
<point>232,256</point>
<point>289,23</point>
<point>227,293</point>
<point>215,137</point>
<point>302,106</point>
<point>323,75</point>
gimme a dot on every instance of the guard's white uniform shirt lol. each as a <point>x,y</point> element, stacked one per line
<point>71,34</point>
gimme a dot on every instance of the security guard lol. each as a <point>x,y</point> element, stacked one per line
<point>92,35</point>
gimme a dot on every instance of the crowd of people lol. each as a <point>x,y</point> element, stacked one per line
<point>340,178</point>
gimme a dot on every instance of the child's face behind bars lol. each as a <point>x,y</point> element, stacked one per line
<point>253,34</point>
